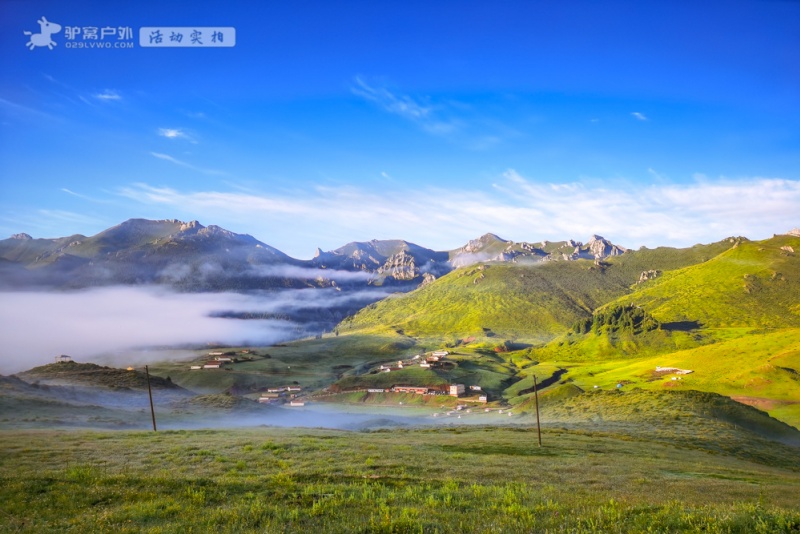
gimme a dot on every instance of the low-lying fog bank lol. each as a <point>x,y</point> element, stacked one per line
<point>37,326</point>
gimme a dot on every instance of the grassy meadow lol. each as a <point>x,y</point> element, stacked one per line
<point>449,479</point>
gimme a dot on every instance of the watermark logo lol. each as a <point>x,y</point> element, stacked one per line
<point>187,37</point>
<point>43,38</point>
<point>120,37</point>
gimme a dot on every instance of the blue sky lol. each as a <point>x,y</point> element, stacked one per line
<point>328,122</point>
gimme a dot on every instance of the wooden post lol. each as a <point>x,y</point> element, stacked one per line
<point>536,396</point>
<point>150,394</point>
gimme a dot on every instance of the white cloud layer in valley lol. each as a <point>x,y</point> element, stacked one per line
<point>37,326</point>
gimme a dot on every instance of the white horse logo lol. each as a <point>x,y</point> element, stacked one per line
<point>43,38</point>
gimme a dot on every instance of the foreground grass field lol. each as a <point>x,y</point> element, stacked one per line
<point>447,479</point>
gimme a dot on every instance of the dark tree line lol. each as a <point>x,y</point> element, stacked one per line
<point>619,319</point>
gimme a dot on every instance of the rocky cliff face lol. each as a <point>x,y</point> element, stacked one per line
<point>651,274</point>
<point>601,248</point>
<point>400,266</point>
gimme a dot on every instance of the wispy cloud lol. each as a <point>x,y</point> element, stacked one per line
<point>19,109</point>
<point>107,96</point>
<point>639,116</point>
<point>84,197</point>
<point>417,110</point>
<point>167,157</point>
<point>176,133</point>
<point>515,207</point>
<point>53,218</point>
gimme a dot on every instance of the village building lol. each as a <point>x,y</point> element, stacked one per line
<point>63,358</point>
<point>418,390</point>
<point>213,364</point>
<point>195,367</point>
<point>297,403</point>
<point>456,390</point>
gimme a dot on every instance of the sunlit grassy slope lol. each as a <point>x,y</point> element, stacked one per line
<point>534,302</point>
<point>755,367</point>
<point>753,284</point>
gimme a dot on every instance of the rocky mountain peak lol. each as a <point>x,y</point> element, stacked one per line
<point>794,231</point>
<point>191,225</point>
<point>21,237</point>
<point>600,247</point>
<point>475,245</point>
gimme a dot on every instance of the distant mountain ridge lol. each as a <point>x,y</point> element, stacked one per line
<point>193,257</point>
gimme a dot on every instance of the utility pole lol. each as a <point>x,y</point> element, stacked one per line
<point>536,396</point>
<point>153,411</point>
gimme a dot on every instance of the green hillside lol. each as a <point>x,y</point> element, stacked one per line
<point>754,284</point>
<point>729,312</point>
<point>529,301</point>
<point>534,302</point>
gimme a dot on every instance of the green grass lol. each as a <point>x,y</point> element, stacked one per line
<point>758,367</point>
<point>755,284</point>
<point>483,479</point>
<point>533,302</point>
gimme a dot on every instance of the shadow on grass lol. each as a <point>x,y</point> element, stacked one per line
<point>681,326</point>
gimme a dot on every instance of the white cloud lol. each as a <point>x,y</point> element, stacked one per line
<point>176,133</point>
<point>107,96</point>
<point>64,216</point>
<point>639,116</point>
<point>167,157</point>
<point>515,208</point>
<point>407,107</point>
<point>39,325</point>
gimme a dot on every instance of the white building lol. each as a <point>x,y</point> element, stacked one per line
<point>456,390</point>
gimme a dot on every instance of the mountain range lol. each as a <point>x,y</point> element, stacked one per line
<point>191,257</point>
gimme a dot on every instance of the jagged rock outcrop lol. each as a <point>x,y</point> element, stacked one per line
<point>22,237</point>
<point>400,266</point>
<point>652,274</point>
<point>602,248</point>
<point>427,279</point>
<point>794,232</point>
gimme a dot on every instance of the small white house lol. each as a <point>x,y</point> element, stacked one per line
<point>195,367</point>
<point>456,390</point>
